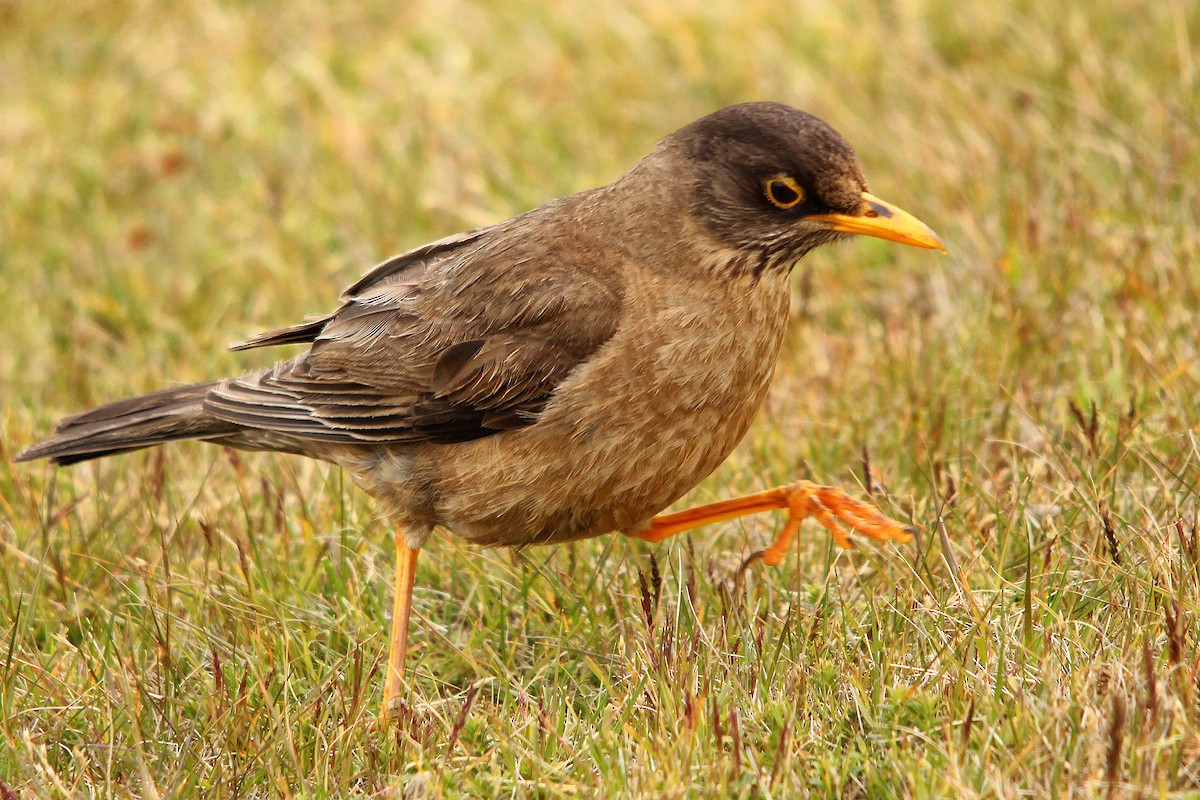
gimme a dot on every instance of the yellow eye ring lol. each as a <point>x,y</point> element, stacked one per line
<point>783,192</point>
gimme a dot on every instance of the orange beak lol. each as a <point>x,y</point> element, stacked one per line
<point>885,221</point>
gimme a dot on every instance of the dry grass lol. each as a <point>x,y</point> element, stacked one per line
<point>190,623</point>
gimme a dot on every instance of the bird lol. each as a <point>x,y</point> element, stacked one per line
<point>570,372</point>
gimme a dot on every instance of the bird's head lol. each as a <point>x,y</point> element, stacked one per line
<point>773,182</point>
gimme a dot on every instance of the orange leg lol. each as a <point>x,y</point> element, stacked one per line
<point>802,499</point>
<point>406,573</point>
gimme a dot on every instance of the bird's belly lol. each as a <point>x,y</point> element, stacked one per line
<point>626,435</point>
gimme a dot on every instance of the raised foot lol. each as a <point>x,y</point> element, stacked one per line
<point>829,505</point>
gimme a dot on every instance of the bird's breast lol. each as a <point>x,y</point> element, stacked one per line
<point>633,428</point>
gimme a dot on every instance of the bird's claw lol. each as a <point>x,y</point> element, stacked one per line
<point>832,508</point>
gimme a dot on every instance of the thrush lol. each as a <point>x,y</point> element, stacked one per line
<point>570,372</point>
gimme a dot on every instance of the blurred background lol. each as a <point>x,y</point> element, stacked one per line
<point>178,176</point>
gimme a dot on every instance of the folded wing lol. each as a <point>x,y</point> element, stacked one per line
<point>445,343</point>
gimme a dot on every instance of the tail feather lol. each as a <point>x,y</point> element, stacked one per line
<point>131,424</point>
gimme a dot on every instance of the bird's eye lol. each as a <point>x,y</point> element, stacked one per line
<point>783,192</point>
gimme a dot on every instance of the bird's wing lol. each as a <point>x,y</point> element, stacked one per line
<point>404,268</point>
<point>454,341</point>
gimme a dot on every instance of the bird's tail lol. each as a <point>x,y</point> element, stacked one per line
<point>132,424</point>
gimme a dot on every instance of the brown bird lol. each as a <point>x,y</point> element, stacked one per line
<point>566,373</point>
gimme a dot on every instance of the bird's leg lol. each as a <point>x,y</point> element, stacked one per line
<point>406,572</point>
<point>802,499</point>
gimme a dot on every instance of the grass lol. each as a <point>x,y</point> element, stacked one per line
<point>190,622</point>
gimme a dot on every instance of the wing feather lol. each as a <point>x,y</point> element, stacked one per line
<point>460,339</point>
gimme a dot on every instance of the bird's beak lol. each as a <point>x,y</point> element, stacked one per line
<point>884,220</point>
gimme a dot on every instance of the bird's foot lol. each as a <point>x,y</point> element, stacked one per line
<point>830,506</point>
<point>392,710</point>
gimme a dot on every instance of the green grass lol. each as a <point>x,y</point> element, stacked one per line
<point>188,622</point>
